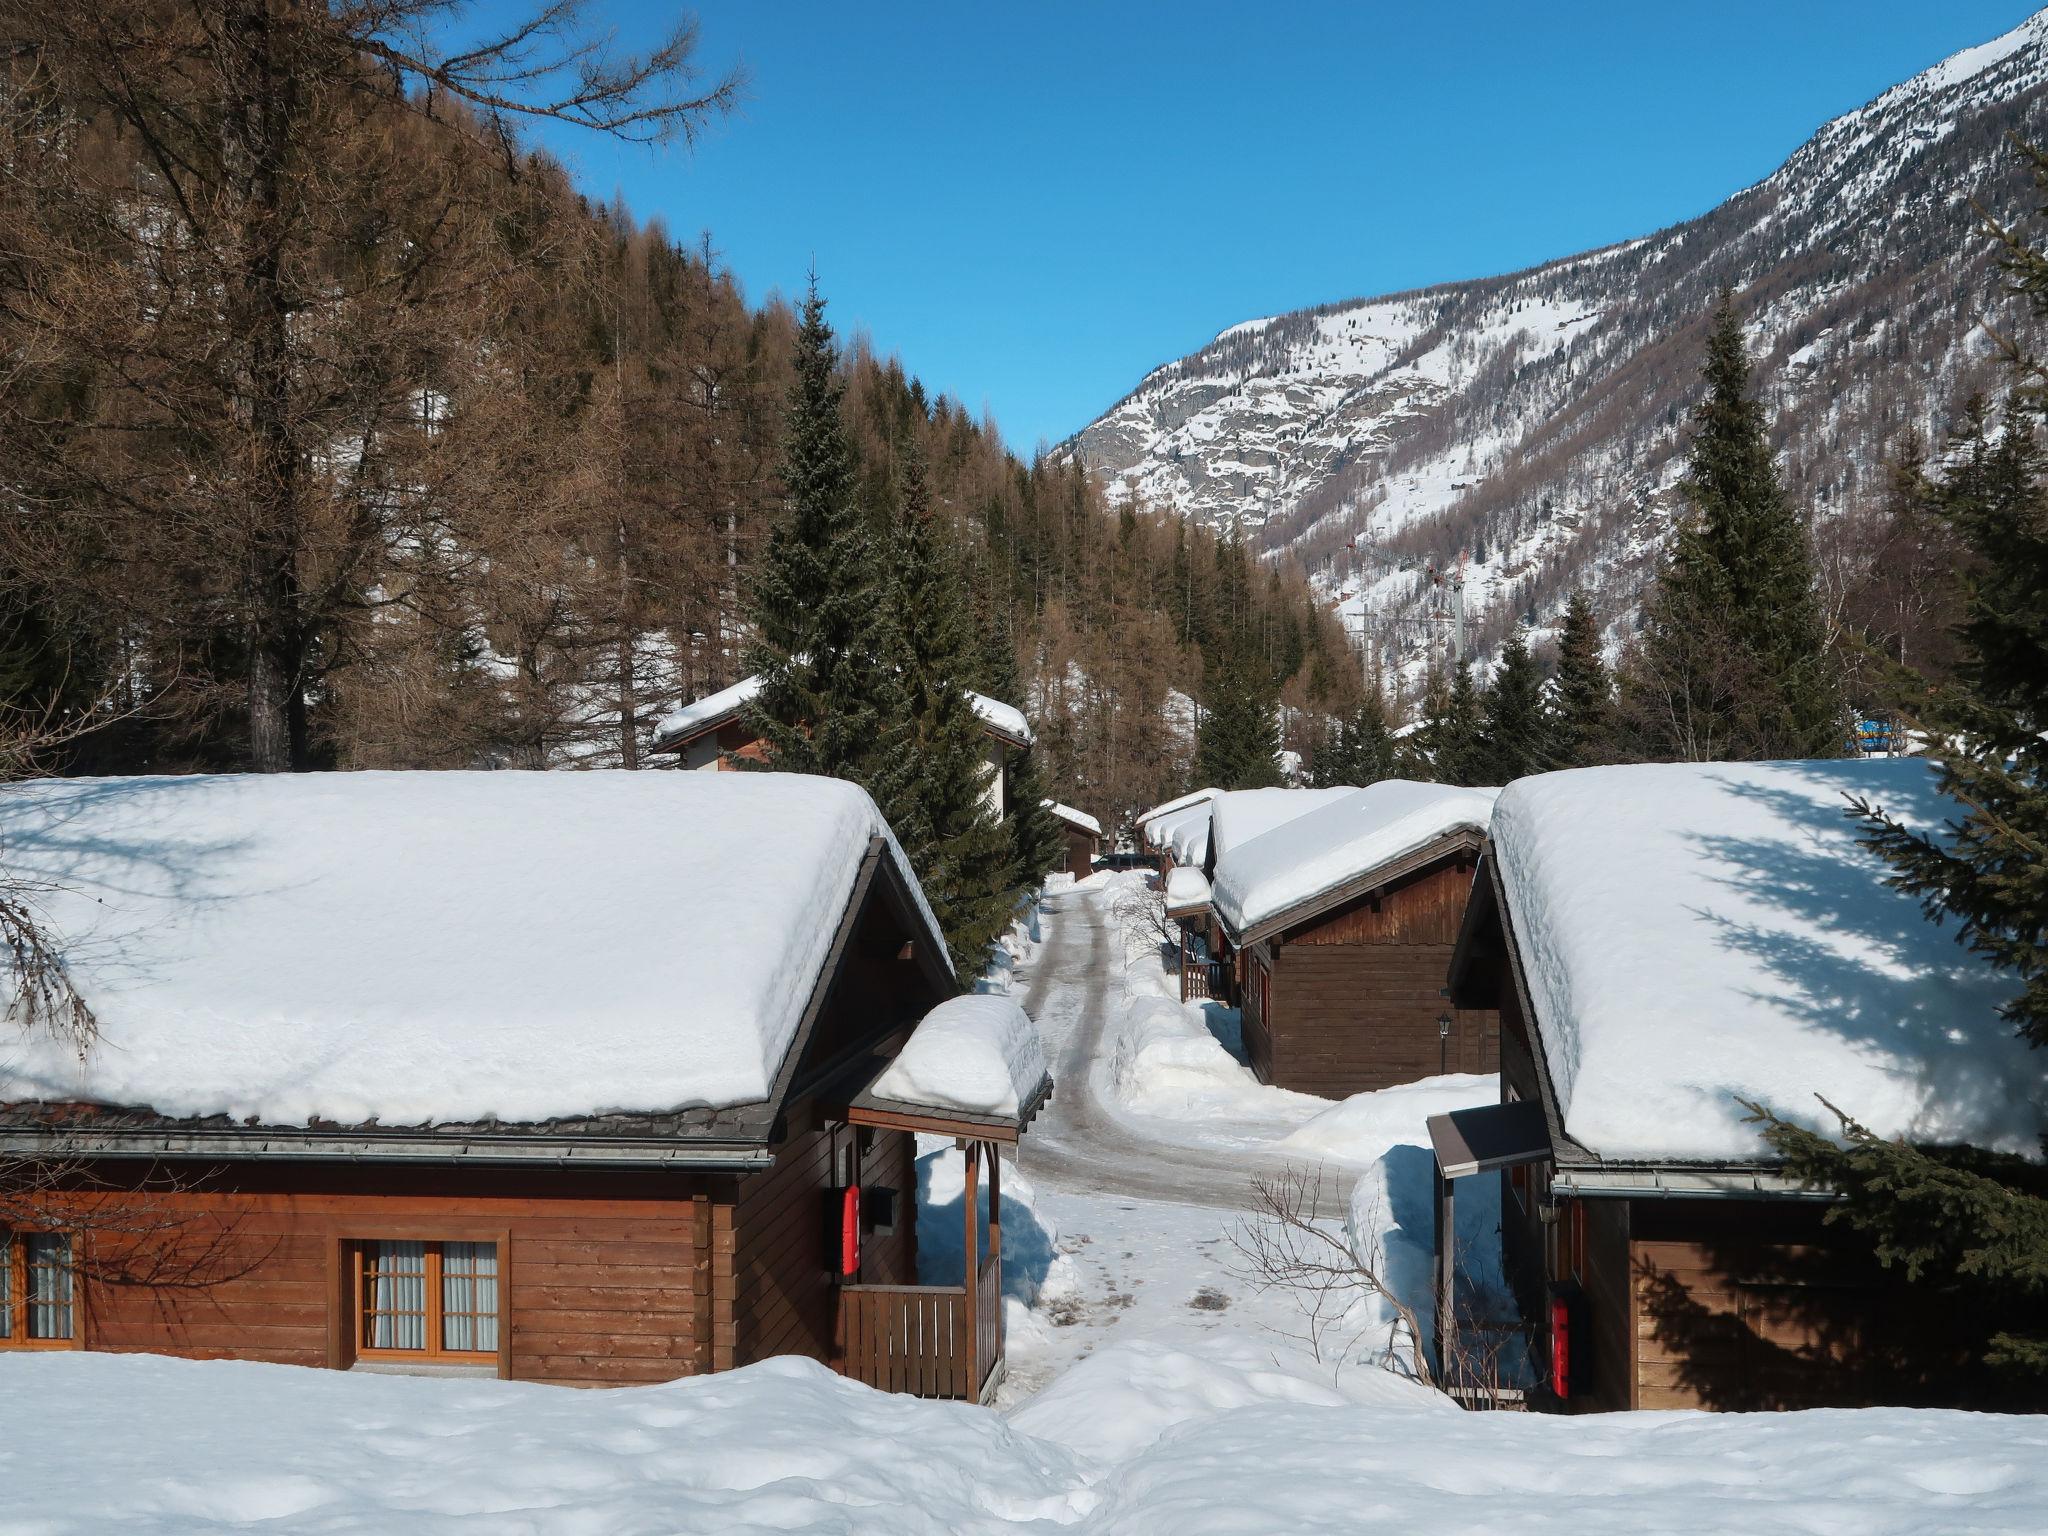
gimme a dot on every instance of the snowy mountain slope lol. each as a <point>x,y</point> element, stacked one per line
<point>1536,420</point>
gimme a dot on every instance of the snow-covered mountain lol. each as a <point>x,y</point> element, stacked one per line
<point>1536,421</point>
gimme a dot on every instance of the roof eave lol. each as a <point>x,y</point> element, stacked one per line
<point>1463,839</point>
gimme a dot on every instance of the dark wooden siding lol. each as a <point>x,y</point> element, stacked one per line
<point>1754,1304</point>
<point>1080,852</point>
<point>1356,993</point>
<point>604,1278</point>
<point>1609,1307</point>
<point>785,1287</point>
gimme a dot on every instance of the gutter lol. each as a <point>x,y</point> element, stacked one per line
<point>504,1151</point>
<point>1731,1181</point>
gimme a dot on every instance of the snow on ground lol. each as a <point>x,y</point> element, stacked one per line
<point>429,947</point>
<point>1763,956</point>
<point>1148,1437</point>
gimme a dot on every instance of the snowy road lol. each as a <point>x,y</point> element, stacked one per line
<point>1073,988</point>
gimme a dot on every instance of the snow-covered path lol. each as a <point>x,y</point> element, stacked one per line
<point>1073,987</point>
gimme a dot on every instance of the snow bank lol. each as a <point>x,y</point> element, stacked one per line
<point>1698,933</point>
<point>979,1054</point>
<point>1141,1438</point>
<point>1240,815</point>
<point>1362,1128</point>
<point>422,947</point>
<point>1186,888</point>
<point>1164,1060</point>
<point>1340,841</point>
<point>1073,817</point>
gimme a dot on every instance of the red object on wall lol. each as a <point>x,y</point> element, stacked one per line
<point>1560,1347</point>
<point>849,1230</point>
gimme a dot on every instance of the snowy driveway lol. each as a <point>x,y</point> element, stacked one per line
<point>1073,989</point>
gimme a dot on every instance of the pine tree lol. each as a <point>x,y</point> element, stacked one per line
<point>1582,694</point>
<point>958,845</point>
<point>1452,742</point>
<point>1733,662</point>
<point>1360,749</point>
<point>1038,840</point>
<point>1515,729</point>
<point>831,698</point>
<point>1239,744</point>
<point>1970,1225</point>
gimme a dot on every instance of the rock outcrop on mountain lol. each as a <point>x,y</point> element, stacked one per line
<point>1523,435</point>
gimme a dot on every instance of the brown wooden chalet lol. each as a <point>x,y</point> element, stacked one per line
<point>581,1237</point>
<point>1666,943</point>
<point>1083,837</point>
<point>711,734</point>
<point>1342,923</point>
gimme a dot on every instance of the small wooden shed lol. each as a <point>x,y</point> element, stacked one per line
<point>501,1074</point>
<point>1084,838</point>
<point>1666,943</point>
<point>1342,922</point>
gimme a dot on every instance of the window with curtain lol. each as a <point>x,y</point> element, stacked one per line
<point>427,1299</point>
<point>37,1290</point>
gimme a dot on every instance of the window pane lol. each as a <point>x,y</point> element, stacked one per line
<point>395,1295</point>
<point>469,1296</point>
<point>49,1284</point>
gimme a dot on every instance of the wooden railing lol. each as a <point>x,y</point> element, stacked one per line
<point>916,1338</point>
<point>1201,979</point>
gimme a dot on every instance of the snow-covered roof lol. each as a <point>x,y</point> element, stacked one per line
<point>417,948</point>
<point>714,709</point>
<point>978,1055</point>
<point>1240,815</point>
<point>1339,843</point>
<point>1167,808</point>
<point>1159,831</point>
<point>1187,890</point>
<point>1693,934</point>
<point>1187,834</point>
<point>1075,818</point>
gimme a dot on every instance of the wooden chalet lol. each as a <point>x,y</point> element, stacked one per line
<point>1084,838</point>
<point>711,734</point>
<point>1666,944</point>
<point>1342,921</point>
<point>563,1077</point>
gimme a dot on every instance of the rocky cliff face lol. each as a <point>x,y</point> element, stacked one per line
<point>1535,422</point>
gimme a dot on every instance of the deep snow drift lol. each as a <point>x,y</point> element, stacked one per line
<point>1144,1438</point>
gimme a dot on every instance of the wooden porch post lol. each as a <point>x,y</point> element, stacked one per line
<point>1446,1242</point>
<point>971,1273</point>
<point>995,1237</point>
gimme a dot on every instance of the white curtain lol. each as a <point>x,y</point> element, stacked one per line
<point>398,1295</point>
<point>49,1285</point>
<point>469,1296</point>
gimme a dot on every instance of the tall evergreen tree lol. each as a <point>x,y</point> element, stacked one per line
<point>1515,728</point>
<point>1360,748</point>
<point>831,697</point>
<point>1582,693</point>
<point>1734,662</point>
<point>956,841</point>
<point>1451,745</point>
<point>1239,745</point>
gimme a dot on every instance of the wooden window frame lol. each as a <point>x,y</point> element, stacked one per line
<point>14,1254</point>
<point>345,1311</point>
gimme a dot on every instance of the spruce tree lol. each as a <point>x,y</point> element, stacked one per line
<point>1239,745</point>
<point>1968,1225</point>
<point>1581,694</point>
<point>1515,727</point>
<point>1452,742</point>
<point>1733,662</point>
<point>1360,749</point>
<point>830,699</point>
<point>956,842</point>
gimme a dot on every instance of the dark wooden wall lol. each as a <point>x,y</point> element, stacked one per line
<point>1080,852</point>
<point>606,1278</point>
<point>784,1230</point>
<point>1356,993</point>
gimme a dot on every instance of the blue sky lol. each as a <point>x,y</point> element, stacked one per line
<point>1033,202</point>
